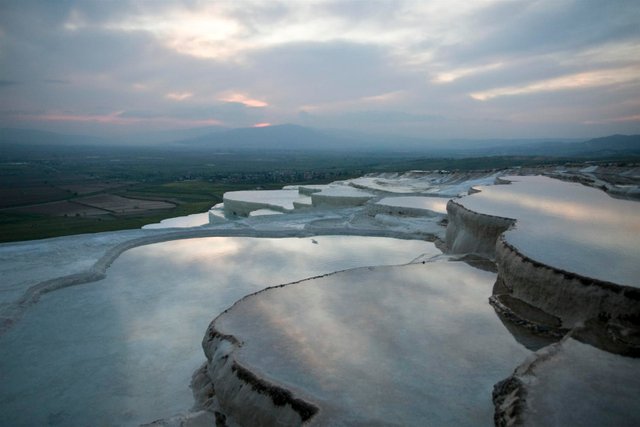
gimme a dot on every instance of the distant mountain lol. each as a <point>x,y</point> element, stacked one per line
<point>608,146</point>
<point>40,137</point>
<point>289,137</point>
<point>455,147</point>
<point>295,137</point>
<point>280,137</point>
<point>612,145</point>
<point>165,136</point>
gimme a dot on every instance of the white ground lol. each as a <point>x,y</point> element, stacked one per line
<point>341,191</point>
<point>444,184</point>
<point>281,200</point>
<point>262,212</point>
<point>24,264</point>
<point>354,192</point>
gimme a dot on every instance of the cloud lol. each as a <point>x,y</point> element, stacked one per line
<point>389,116</point>
<point>575,81</point>
<point>178,96</point>
<point>455,74</point>
<point>299,74</point>
<point>203,33</point>
<point>517,29</point>
<point>413,67</point>
<point>57,81</point>
<point>119,118</point>
<point>230,114</point>
<point>243,99</point>
<point>368,101</point>
<point>633,118</point>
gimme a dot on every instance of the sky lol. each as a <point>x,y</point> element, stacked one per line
<point>430,69</point>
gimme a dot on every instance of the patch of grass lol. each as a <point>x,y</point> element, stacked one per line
<point>190,191</point>
<point>16,227</point>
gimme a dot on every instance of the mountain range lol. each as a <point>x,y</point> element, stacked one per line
<point>290,137</point>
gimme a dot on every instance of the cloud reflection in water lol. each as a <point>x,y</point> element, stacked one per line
<point>122,350</point>
<point>568,225</point>
<point>403,343</point>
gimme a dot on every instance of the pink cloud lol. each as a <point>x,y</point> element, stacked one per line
<point>243,99</point>
<point>261,125</point>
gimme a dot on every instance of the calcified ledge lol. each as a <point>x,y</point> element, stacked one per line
<point>473,232</point>
<point>229,389</point>
<point>241,394</point>
<point>231,382</point>
<point>510,395</point>
<point>570,383</point>
<point>570,296</point>
<point>12,312</point>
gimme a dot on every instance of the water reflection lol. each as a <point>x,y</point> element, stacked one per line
<point>121,351</point>
<point>568,225</point>
<point>434,204</point>
<point>524,336</point>
<point>405,344</point>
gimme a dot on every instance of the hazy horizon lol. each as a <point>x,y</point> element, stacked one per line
<point>427,69</point>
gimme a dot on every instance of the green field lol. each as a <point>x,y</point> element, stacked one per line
<point>190,197</point>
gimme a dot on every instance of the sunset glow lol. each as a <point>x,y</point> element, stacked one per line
<point>244,100</point>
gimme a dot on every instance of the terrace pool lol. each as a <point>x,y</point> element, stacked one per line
<point>121,351</point>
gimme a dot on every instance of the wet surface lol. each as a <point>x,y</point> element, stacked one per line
<point>382,345</point>
<point>121,351</point>
<point>568,226</point>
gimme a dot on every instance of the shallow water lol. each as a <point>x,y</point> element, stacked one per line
<point>411,345</point>
<point>568,226</point>
<point>580,385</point>
<point>121,351</point>
<point>434,204</point>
